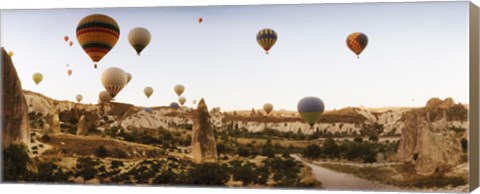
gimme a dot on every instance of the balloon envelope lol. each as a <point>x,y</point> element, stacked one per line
<point>69,72</point>
<point>139,38</point>
<point>148,91</point>
<point>10,53</point>
<point>310,109</point>
<point>129,77</point>
<point>65,38</point>
<point>179,89</point>
<point>174,105</point>
<point>266,38</point>
<point>356,42</point>
<point>182,100</point>
<point>37,78</point>
<point>79,98</point>
<point>104,96</point>
<point>97,34</point>
<point>113,80</point>
<point>200,20</point>
<point>147,109</point>
<point>268,108</point>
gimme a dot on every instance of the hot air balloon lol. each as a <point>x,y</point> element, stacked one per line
<point>267,107</point>
<point>65,38</point>
<point>10,53</point>
<point>97,34</point>
<point>266,38</point>
<point>148,91</point>
<point>194,102</point>
<point>179,89</point>
<point>68,65</point>
<point>139,39</point>
<point>148,109</point>
<point>182,100</point>
<point>310,109</point>
<point>69,72</point>
<point>174,105</point>
<point>37,78</point>
<point>79,98</point>
<point>114,79</point>
<point>129,77</point>
<point>356,42</point>
<point>200,20</point>
<point>104,96</point>
<point>70,43</point>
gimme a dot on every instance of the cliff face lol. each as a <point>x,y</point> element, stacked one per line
<point>16,128</point>
<point>203,141</point>
<point>427,137</point>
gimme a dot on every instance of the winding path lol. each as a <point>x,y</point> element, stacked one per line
<point>332,180</point>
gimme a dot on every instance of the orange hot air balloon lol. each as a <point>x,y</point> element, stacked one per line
<point>200,20</point>
<point>69,72</point>
<point>356,42</point>
<point>70,43</point>
<point>65,38</point>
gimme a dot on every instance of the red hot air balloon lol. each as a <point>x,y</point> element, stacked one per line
<point>200,20</point>
<point>65,38</point>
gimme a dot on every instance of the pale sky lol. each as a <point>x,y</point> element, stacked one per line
<point>415,51</point>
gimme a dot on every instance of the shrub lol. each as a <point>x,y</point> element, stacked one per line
<point>115,164</point>
<point>15,162</point>
<point>373,138</point>
<point>464,143</point>
<point>209,174</point>
<point>101,151</point>
<point>358,139</point>
<point>312,151</point>
<point>45,138</point>
<point>245,173</point>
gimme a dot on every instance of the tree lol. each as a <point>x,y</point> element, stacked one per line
<point>167,177</point>
<point>221,149</point>
<point>246,174</point>
<point>373,138</point>
<point>15,162</point>
<point>209,174</point>
<point>330,148</point>
<point>86,168</point>
<point>312,151</point>
<point>358,139</point>
<point>101,151</point>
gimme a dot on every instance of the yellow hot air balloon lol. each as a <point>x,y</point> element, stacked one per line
<point>114,79</point>
<point>37,78</point>
<point>179,89</point>
<point>129,77</point>
<point>97,34</point>
<point>79,98</point>
<point>10,53</point>
<point>139,38</point>
<point>266,38</point>
<point>182,100</point>
<point>104,96</point>
<point>148,91</point>
<point>267,107</point>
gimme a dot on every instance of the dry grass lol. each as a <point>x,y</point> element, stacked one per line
<point>72,145</point>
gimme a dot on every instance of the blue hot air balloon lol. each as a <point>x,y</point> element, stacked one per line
<point>310,109</point>
<point>148,109</point>
<point>174,105</point>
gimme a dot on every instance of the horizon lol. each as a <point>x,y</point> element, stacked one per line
<point>305,55</point>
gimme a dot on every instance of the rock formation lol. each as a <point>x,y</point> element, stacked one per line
<point>52,125</point>
<point>15,124</point>
<point>82,126</point>
<point>203,141</point>
<point>426,138</point>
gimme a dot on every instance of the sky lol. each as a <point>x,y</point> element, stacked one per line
<point>416,51</point>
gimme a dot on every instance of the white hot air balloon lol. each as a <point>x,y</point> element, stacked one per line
<point>139,38</point>
<point>104,96</point>
<point>148,91</point>
<point>113,80</point>
<point>129,77</point>
<point>79,98</point>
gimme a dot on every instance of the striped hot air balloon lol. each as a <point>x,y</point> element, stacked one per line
<point>310,109</point>
<point>139,38</point>
<point>266,38</point>
<point>97,34</point>
<point>104,96</point>
<point>357,42</point>
<point>114,79</point>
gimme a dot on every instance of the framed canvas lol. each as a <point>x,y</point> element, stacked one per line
<point>350,97</point>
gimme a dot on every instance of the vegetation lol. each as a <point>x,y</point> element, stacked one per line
<point>16,162</point>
